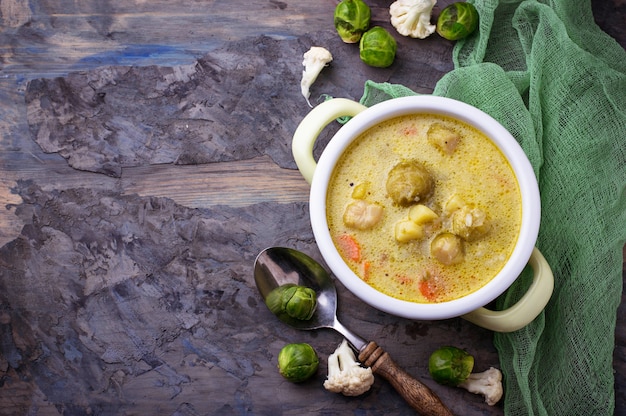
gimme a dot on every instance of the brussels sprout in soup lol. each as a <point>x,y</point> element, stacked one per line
<point>424,208</point>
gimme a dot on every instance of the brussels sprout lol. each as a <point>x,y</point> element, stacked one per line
<point>297,362</point>
<point>408,182</point>
<point>443,138</point>
<point>447,248</point>
<point>352,19</point>
<point>295,301</point>
<point>470,223</point>
<point>450,365</point>
<point>377,47</point>
<point>457,21</point>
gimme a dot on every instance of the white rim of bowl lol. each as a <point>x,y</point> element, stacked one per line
<point>531,206</point>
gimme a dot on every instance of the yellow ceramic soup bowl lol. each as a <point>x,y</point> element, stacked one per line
<point>469,306</point>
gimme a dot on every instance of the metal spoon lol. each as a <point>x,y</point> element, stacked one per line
<point>277,266</point>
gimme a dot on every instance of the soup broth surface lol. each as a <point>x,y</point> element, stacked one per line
<point>471,182</point>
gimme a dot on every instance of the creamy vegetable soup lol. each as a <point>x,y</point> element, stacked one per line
<point>424,208</point>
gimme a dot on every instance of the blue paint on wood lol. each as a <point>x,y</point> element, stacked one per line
<point>140,55</point>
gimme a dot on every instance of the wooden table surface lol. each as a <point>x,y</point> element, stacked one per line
<point>145,149</point>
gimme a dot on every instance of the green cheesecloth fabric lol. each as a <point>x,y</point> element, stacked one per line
<point>557,82</point>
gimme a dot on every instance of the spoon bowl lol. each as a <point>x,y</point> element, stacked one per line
<point>277,266</point>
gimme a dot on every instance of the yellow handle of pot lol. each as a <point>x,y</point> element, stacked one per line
<point>311,127</point>
<point>527,308</point>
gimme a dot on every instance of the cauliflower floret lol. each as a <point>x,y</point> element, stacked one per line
<point>452,366</point>
<point>345,374</point>
<point>315,59</point>
<point>362,215</point>
<point>412,17</point>
<point>488,383</point>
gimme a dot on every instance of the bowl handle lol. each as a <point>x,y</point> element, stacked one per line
<point>311,127</point>
<point>527,308</point>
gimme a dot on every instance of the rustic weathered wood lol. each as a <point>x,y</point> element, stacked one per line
<point>127,287</point>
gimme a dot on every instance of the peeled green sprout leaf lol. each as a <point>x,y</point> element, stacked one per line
<point>352,19</point>
<point>297,362</point>
<point>298,302</point>
<point>457,21</point>
<point>377,47</point>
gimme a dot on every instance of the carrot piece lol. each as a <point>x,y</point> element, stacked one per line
<point>349,247</point>
<point>409,131</point>
<point>366,270</point>
<point>404,280</point>
<point>428,289</point>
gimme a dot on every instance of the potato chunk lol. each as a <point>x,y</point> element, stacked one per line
<point>407,230</point>
<point>408,182</point>
<point>443,138</point>
<point>447,248</point>
<point>362,215</point>
<point>455,202</point>
<point>360,191</point>
<point>421,214</point>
